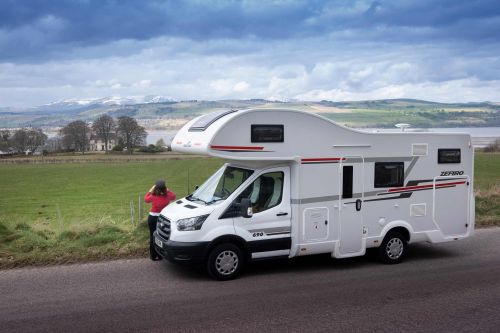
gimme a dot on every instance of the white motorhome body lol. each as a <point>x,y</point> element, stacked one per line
<point>314,186</point>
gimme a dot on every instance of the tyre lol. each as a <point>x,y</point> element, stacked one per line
<point>393,248</point>
<point>225,261</point>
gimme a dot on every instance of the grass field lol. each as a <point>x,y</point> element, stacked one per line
<point>79,211</point>
<point>487,188</point>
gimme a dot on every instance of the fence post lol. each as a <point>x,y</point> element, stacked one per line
<point>132,211</point>
<point>140,210</point>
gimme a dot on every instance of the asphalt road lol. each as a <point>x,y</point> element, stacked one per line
<point>453,287</point>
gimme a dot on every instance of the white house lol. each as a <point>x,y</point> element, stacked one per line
<point>97,144</point>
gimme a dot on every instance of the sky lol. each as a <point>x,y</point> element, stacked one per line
<point>445,51</point>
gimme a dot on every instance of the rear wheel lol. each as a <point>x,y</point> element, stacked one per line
<point>225,262</point>
<point>393,248</point>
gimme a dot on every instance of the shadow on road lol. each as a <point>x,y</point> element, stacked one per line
<point>320,262</point>
<point>416,252</point>
<point>423,251</point>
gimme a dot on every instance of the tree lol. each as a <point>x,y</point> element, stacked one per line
<point>130,132</point>
<point>54,144</point>
<point>103,127</point>
<point>160,143</point>
<point>25,139</point>
<point>4,139</point>
<point>76,135</point>
<point>493,147</point>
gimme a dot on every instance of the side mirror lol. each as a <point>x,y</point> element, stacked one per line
<point>246,208</point>
<point>196,187</point>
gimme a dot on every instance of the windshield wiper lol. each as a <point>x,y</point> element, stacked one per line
<point>193,198</point>
<point>215,200</point>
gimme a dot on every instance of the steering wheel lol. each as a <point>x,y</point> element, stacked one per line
<point>225,192</point>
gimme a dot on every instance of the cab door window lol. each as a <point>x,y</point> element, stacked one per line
<point>265,192</point>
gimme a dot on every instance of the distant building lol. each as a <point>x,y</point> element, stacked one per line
<point>7,152</point>
<point>96,144</point>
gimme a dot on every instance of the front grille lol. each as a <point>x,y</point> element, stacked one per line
<point>163,227</point>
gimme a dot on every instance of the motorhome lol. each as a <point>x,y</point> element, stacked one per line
<point>296,184</point>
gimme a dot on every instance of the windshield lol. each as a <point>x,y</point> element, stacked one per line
<point>220,185</point>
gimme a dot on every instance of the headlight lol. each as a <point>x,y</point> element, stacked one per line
<point>192,223</point>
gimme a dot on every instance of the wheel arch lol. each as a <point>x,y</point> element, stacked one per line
<point>402,227</point>
<point>233,239</point>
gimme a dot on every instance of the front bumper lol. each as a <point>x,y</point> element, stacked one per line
<point>181,252</point>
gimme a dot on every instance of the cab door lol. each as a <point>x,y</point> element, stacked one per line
<point>267,231</point>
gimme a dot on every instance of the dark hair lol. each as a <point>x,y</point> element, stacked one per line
<point>160,188</point>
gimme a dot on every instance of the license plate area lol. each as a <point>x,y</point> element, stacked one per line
<point>158,242</point>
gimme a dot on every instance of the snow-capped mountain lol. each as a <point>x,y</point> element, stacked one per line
<point>74,104</point>
<point>157,99</point>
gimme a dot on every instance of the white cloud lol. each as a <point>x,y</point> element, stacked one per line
<point>465,90</point>
<point>310,69</point>
<point>143,84</point>
<point>241,86</point>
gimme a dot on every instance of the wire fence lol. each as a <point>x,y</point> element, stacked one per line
<point>135,219</point>
<point>100,158</point>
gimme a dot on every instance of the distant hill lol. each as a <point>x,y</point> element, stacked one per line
<point>157,112</point>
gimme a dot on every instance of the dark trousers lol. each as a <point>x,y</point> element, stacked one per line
<point>152,228</point>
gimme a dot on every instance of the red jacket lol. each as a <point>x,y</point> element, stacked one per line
<point>159,201</point>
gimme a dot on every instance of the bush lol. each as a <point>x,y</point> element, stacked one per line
<point>118,148</point>
<point>150,149</point>
<point>493,147</point>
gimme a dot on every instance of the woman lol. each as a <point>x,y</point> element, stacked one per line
<point>159,196</point>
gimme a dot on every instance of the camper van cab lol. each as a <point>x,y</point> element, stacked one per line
<point>297,184</point>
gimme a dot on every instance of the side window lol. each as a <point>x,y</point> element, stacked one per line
<point>265,192</point>
<point>389,174</point>
<point>448,156</point>
<point>267,133</point>
<point>347,182</point>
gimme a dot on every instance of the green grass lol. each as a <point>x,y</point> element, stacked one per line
<point>486,171</point>
<point>415,117</point>
<point>487,188</point>
<point>74,211</point>
<point>69,212</point>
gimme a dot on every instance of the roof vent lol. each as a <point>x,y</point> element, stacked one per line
<point>403,127</point>
<point>205,121</point>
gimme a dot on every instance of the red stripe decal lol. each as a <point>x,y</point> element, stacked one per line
<point>323,159</point>
<point>237,148</point>
<point>410,188</point>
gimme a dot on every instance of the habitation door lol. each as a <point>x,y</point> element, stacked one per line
<point>351,206</point>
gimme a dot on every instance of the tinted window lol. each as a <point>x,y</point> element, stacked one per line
<point>389,174</point>
<point>347,182</point>
<point>267,133</point>
<point>448,155</point>
<point>265,192</point>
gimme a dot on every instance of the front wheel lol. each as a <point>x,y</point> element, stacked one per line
<point>393,248</point>
<point>225,262</point>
